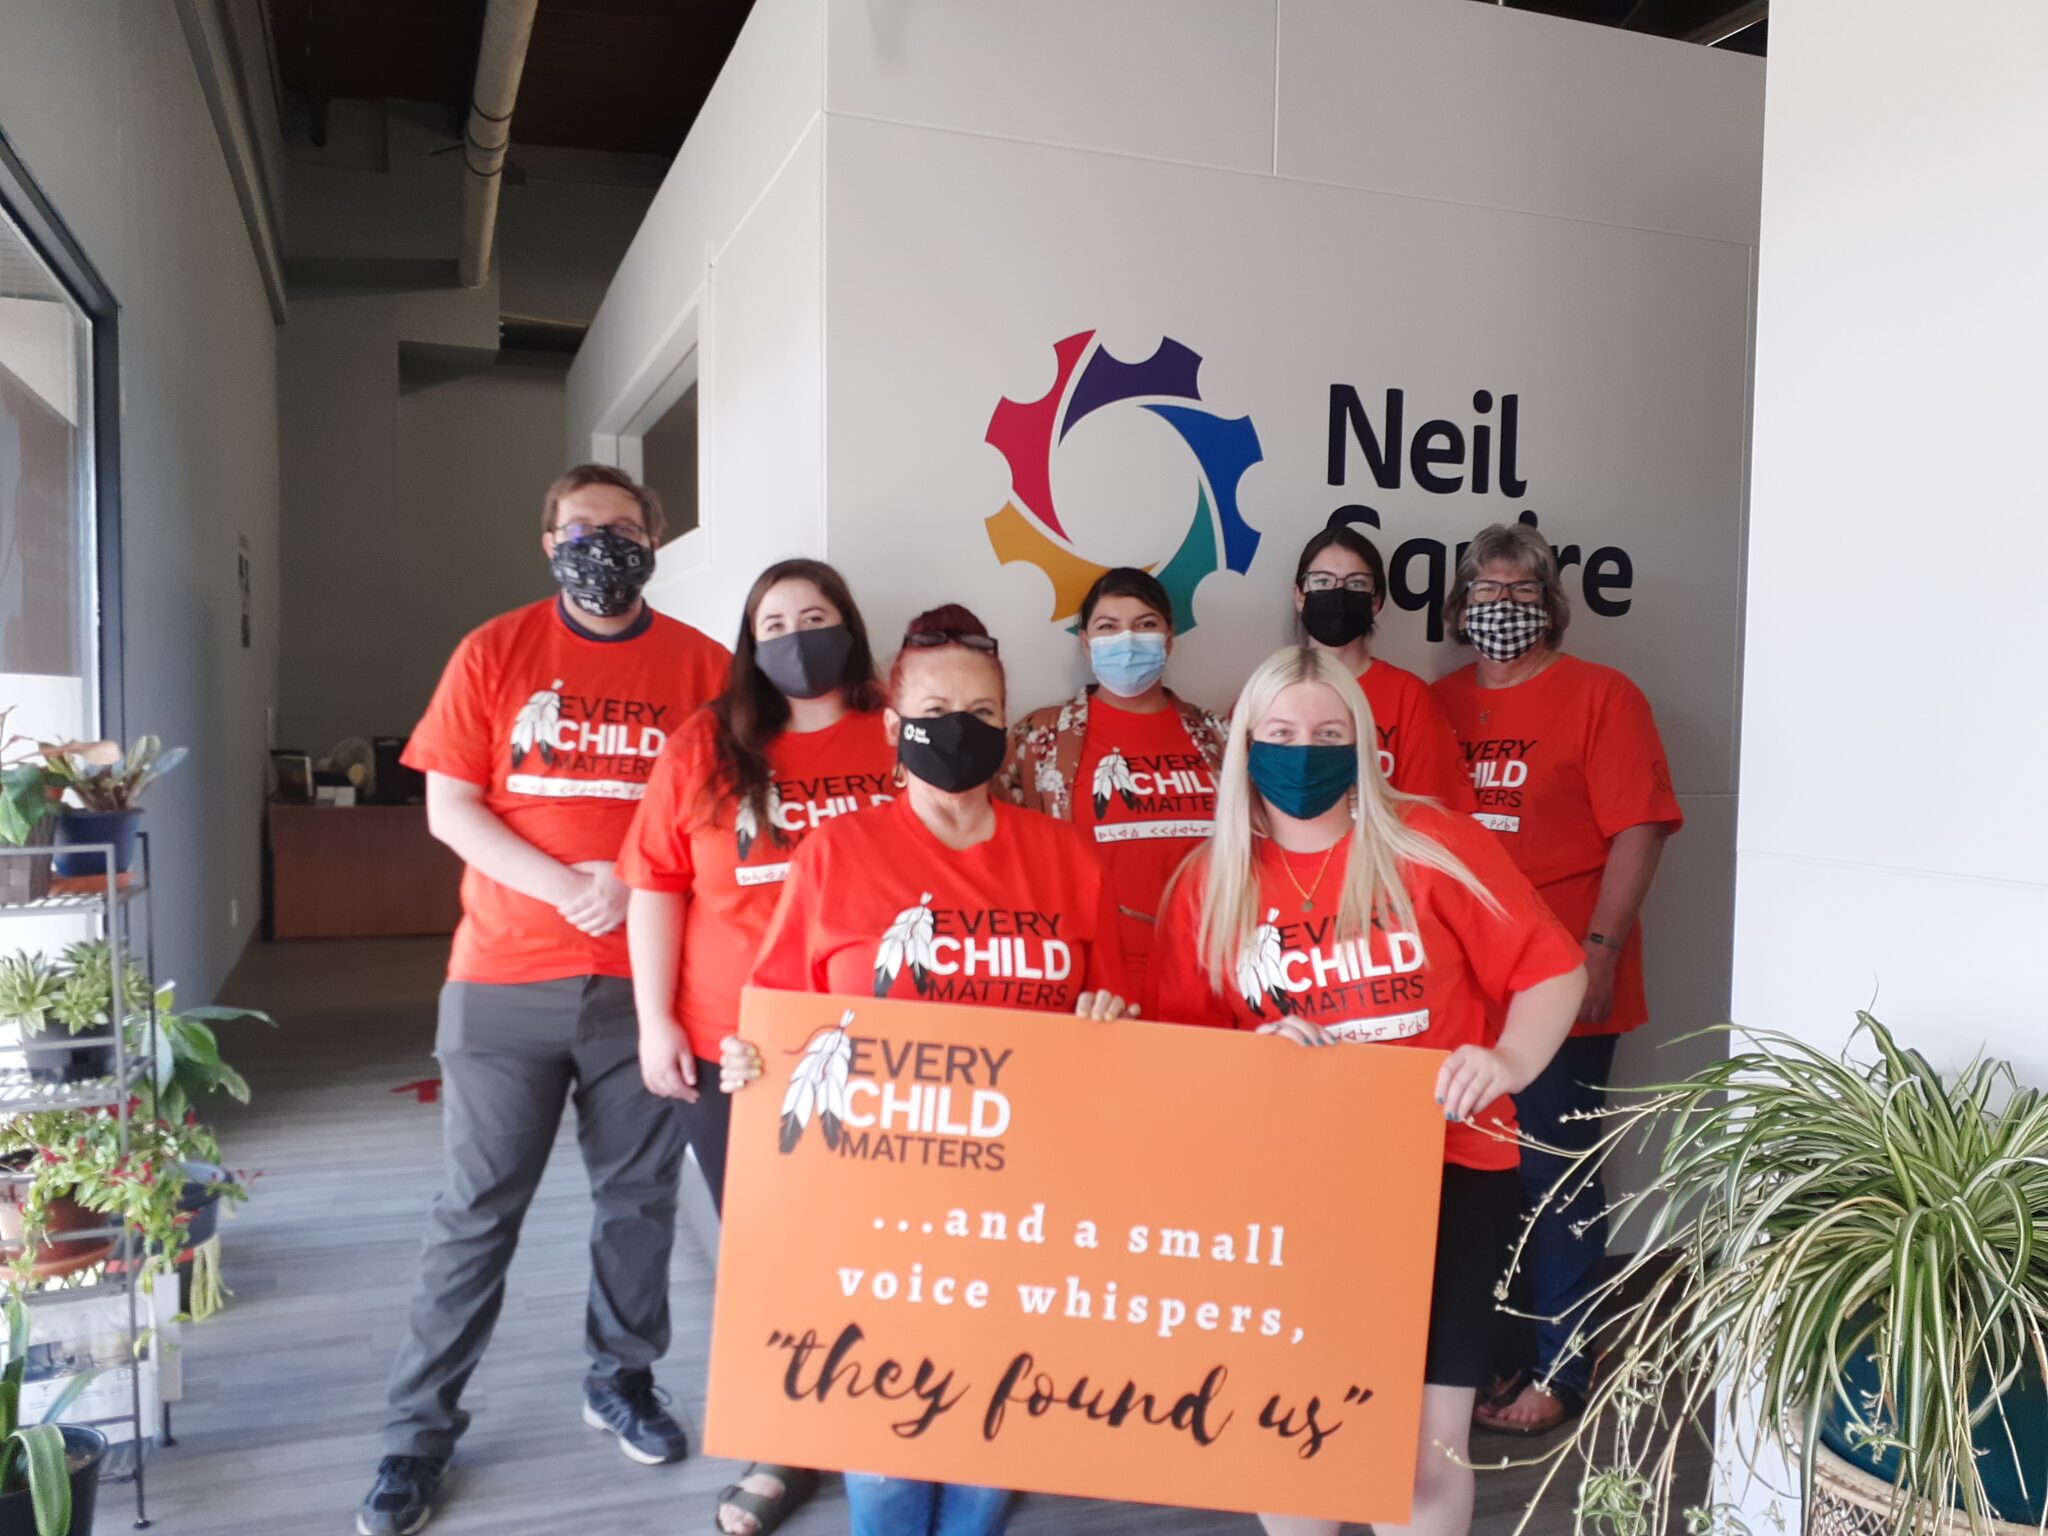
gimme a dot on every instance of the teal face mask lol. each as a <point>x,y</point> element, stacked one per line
<point>1128,663</point>
<point>1302,782</point>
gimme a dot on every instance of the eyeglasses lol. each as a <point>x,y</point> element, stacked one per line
<point>1493,591</point>
<point>932,639</point>
<point>575,531</point>
<point>1323,581</point>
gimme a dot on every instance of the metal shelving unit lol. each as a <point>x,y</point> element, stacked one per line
<point>119,904</point>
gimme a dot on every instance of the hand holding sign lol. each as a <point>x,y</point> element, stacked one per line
<point>1171,1265</point>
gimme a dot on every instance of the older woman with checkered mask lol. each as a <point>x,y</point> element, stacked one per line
<point>1569,771</point>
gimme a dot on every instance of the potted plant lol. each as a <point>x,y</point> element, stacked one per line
<point>78,992</point>
<point>107,788</point>
<point>75,1157</point>
<point>1857,1252</point>
<point>190,1072</point>
<point>49,1473</point>
<point>27,797</point>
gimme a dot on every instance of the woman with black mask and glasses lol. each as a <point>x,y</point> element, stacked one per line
<point>792,742</point>
<point>887,904</point>
<point>1571,773</point>
<point>1340,585</point>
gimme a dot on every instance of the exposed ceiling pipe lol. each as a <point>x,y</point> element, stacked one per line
<point>1736,18</point>
<point>508,27</point>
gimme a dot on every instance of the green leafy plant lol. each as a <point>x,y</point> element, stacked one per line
<point>33,1456</point>
<point>29,988</point>
<point>101,778</point>
<point>196,1071</point>
<point>1837,1242</point>
<point>27,793</point>
<point>78,1153</point>
<point>77,989</point>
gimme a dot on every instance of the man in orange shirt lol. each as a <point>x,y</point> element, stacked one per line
<point>537,747</point>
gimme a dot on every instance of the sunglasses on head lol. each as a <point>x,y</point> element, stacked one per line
<point>932,639</point>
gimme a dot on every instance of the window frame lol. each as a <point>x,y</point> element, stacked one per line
<point>26,206</point>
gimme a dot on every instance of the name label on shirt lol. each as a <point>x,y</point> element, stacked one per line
<point>1498,822</point>
<point>1144,831</point>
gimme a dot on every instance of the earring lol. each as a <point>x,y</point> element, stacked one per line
<point>898,778</point>
<point>1351,796</point>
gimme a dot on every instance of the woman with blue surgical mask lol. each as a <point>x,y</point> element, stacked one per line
<point>1130,763</point>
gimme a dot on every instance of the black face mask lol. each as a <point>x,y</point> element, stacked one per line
<point>602,572</point>
<point>1337,617</point>
<point>805,663</point>
<point>955,752</point>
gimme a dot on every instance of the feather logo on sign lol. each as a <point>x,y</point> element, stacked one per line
<point>907,940</point>
<point>1261,975</point>
<point>1113,777</point>
<point>817,1087</point>
<point>747,826</point>
<point>533,728</point>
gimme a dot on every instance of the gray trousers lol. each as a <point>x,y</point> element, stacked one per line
<point>510,1056</point>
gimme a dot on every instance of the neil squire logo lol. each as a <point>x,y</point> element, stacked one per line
<point>1090,379</point>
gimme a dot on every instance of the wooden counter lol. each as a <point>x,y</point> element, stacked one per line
<point>359,871</point>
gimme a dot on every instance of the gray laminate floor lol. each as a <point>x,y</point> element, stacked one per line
<point>284,1390</point>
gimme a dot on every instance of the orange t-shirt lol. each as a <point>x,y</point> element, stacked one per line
<point>1145,800</point>
<point>1560,764</point>
<point>560,730</point>
<point>1418,752</point>
<point>691,839</point>
<point>1432,987</point>
<point>875,904</point>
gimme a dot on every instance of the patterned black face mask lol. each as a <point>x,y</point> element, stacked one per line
<point>602,572</point>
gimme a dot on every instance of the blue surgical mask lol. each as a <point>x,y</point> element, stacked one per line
<point>1302,782</point>
<point>1129,662</point>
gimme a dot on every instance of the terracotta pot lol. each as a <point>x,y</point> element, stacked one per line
<point>55,1255</point>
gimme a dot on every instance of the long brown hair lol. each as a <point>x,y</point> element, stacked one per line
<point>750,712</point>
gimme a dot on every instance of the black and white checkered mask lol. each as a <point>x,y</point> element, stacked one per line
<point>1504,630</point>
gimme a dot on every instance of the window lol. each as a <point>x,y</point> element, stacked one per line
<point>59,632</point>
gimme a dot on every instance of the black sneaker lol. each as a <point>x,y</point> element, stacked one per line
<point>633,1408</point>
<point>402,1499</point>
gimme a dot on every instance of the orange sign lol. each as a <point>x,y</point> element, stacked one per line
<point>1129,1261</point>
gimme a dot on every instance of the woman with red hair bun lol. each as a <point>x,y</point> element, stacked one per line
<point>888,904</point>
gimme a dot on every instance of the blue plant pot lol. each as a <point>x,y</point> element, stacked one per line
<point>76,827</point>
<point>2017,1500</point>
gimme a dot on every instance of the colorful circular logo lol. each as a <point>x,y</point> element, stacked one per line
<point>1090,378</point>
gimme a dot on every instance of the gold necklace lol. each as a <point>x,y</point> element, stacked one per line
<point>1308,893</point>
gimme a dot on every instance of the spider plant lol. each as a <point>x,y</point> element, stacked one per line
<point>1850,1247</point>
<point>34,1456</point>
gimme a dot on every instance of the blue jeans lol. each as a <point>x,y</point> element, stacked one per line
<point>1560,1265</point>
<point>897,1506</point>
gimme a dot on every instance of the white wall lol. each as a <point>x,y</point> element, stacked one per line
<point>102,103</point>
<point>1406,193</point>
<point>1891,693</point>
<point>1892,699</point>
<point>414,458</point>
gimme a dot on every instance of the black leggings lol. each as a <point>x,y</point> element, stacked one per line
<point>706,1123</point>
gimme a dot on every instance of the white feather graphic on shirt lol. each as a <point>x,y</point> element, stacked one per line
<point>1113,777</point>
<point>533,728</point>
<point>907,939</point>
<point>1261,975</point>
<point>818,1087</point>
<point>747,826</point>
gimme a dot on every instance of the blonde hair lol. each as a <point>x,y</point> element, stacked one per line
<point>1381,842</point>
<point>1528,551</point>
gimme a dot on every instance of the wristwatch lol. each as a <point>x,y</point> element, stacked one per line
<point>1602,940</point>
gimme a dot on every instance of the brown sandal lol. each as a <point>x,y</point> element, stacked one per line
<point>1570,1404</point>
